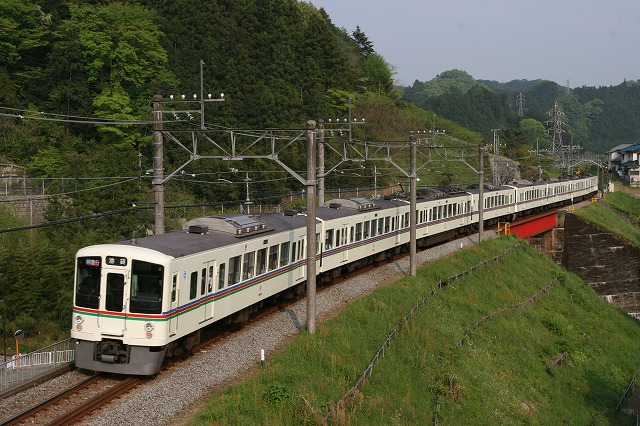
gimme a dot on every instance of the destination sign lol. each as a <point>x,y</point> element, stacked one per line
<point>116,261</point>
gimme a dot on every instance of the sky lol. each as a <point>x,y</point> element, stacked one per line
<point>586,42</point>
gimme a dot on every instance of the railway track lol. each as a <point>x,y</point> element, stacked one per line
<point>74,403</point>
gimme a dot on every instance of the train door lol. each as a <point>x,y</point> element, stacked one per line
<point>301,254</point>
<point>210,268</point>
<point>173,316</point>
<point>344,240</point>
<point>115,297</point>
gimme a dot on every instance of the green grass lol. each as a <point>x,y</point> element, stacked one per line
<point>626,203</point>
<point>499,375</point>
<point>602,216</point>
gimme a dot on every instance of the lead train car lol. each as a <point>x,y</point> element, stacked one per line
<point>137,300</point>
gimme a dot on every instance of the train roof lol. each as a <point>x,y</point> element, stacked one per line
<point>211,232</point>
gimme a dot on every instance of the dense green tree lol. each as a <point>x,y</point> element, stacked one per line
<point>363,42</point>
<point>479,109</point>
<point>24,40</point>
<point>378,74</point>
<point>534,132</point>
<point>107,60</point>
<point>516,145</point>
<point>616,118</point>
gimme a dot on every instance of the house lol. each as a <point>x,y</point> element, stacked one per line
<point>615,159</point>
<point>630,166</point>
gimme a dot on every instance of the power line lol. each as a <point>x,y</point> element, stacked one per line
<point>72,220</point>
<point>61,194</point>
<point>103,121</point>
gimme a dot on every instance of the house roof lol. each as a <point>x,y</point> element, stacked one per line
<point>632,148</point>
<point>631,164</point>
<point>619,147</point>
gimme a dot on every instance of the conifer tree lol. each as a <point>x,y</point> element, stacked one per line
<point>363,42</point>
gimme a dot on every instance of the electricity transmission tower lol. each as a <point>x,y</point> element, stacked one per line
<point>520,101</point>
<point>556,128</point>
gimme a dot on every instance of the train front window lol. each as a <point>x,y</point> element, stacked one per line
<point>88,282</point>
<point>115,291</point>
<point>146,287</point>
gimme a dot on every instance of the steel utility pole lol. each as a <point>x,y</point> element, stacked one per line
<point>413,187</point>
<point>158,166</point>
<point>320,162</point>
<point>481,193</point>
<point>311,226</point>
<point>496,151</point>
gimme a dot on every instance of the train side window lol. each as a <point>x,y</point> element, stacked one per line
<point>203,281</point>
<point>193,287</point>
<point>221,275</point>
<point>261,261</point>
<point>351,234</point>
<point>293,252</point>
<point>328,239</point>
<point>210,280</point>
<point>174,285</point>
<point>248,265</point>
<point>380,226</point>
<point>374,227</point>
<point>406,220</point>
<point>358,231</point>
<point>273,257</point>
<point>366,229</point>
<point>234,271</point>
<point>387,223</point>
<point>284,254</point>
<point>301,246</point>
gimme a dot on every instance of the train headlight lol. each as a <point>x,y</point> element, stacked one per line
<point>148,327</point>
<point>79,320</point>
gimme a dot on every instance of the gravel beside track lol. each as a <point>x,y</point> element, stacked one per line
<point>172,395</point>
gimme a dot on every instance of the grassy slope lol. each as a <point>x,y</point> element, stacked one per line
<point>604,217</point>
<point>499,375</point>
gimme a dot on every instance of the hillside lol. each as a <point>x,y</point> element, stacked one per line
<point>596,118</point>
<point>517,340</point>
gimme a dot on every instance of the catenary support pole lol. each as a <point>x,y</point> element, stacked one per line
<point>481,192</point>
<point>311,226</point>
<point>413,187</point>
<point>320,162</point>
<point>158,166</point>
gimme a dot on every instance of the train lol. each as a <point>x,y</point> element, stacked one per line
<point>140,301</point>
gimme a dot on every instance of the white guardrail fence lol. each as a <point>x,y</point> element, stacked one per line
<point>19,370</point>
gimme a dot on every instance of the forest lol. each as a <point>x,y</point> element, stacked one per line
<point>70,70</point>
<point>596,118</point>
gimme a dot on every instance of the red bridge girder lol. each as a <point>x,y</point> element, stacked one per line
<point>533,225</point>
